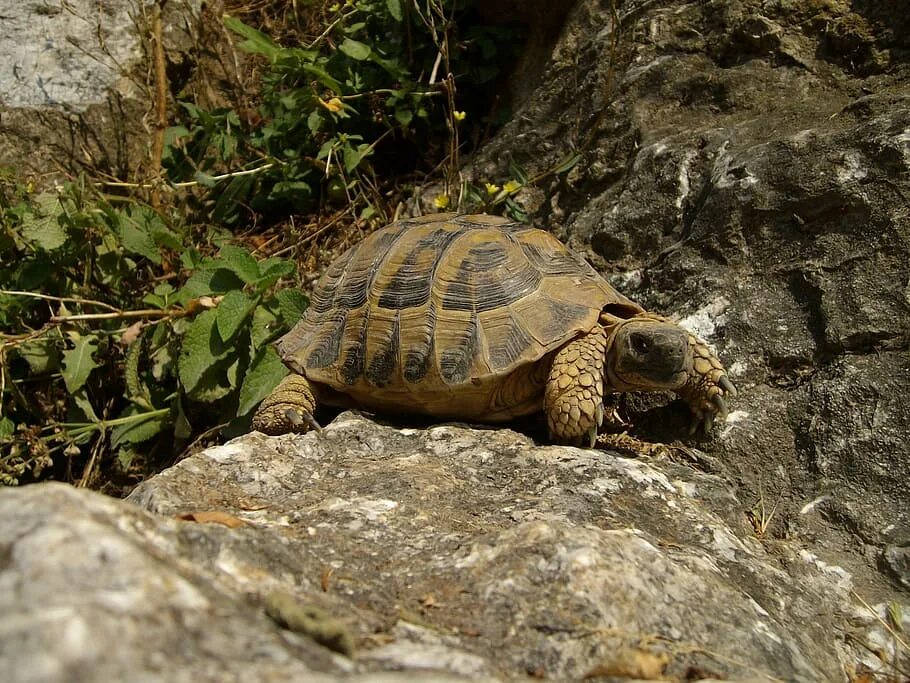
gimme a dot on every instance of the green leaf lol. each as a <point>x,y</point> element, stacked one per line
<point>314,121</point>
<point>41,355</point>
<point>134,227</point>
<point>182,427</point>
<point>518,173</point>
<point>125,457</point>
<point>207,281</point>
<point>141,428</point>
<point>404,116</point>
<point>165,237</point>
<point>264,374</point>
<point>239,261</point>
<point>80,398</point>
<point>394,7</point>
<point>201,347</point>
<point>291,304</point>
<point>567,165</point>
<point>355,49</point>
<point>213,385</point>
<point>323,77</point>
<point>265,326</point>
<point>42,227</point>
<point>273,269</point>
<point>353,157</point>
<point>232,373</point>
<point>231,313</point>
<point>256,42</point>
<point>7,428</point>
<point>78,363</point>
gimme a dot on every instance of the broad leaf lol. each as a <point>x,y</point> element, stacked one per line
<point>273,269</point>
<point>41,355</point>
<point>353,157</point>
<point>355,49</point>
<point>394,7</point>
<point>84,405</point>
<point>239,261</point>
<point>206,281</point>
<point>232,312</point>
<point>256,42</point>
<point>201,347</point>
<point>7,427</point>
<point>143,428</point>
<point>264,375</point>
<point>42,228</point>
<point>292,304</point>
<point>265,326</point>
<point>78,363</point>
<point>135,227</point>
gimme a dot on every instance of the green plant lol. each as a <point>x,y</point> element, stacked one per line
<point>371,95</point>
<point>129,327</point>
<point>113,332</point>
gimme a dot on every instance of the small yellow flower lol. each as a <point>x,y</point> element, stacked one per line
<point>334,105</point>
<point>492,189</point>
<point>511,187</point>
<point>459,115</point>
<point>442,201</point>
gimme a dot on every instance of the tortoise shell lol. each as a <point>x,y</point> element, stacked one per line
<point>435,314</point>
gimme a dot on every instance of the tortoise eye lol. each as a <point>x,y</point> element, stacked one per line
<point>640,343</point>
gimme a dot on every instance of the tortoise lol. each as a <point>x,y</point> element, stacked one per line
<point>482,319</point>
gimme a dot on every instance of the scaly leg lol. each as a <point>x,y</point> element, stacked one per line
<point>573,398</point>
<point>289,408</point>
<point>707,387</point>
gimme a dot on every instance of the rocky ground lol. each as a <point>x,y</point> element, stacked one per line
<point>745,168</point>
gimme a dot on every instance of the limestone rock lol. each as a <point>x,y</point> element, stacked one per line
<point>73,91</point>
<point>746,168</point>
<point>488,555</point>
<point>434,553</point>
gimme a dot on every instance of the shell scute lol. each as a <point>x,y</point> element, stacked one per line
<point>436,312</point>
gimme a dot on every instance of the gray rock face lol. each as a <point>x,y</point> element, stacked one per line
<point>68,56</point>
<point>447,550</point>
<point>73,86</point>
<point>746,168</point>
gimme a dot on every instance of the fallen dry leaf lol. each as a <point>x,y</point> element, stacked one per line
<point>212,517</point>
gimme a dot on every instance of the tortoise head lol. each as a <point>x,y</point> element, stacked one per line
<point>647,355</point>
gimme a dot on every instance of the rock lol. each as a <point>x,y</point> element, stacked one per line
<point>95,589</point>
<point>746,169</point>
<point>75,92</point>
<point>445,551</point>
<point>488,555</point>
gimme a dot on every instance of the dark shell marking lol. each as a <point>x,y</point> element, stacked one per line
<point>427,305</point>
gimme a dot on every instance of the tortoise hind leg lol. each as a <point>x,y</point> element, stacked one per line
<point>289,408</point>
<point>573,398</point>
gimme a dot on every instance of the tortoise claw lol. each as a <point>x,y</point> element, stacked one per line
<point>299,418</point>
<point>720,404</point>
<point>725,384</point>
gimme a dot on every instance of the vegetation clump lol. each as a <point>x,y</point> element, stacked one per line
<point>137,314</point>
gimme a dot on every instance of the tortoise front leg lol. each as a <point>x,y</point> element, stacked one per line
<point>573,398</point>
<point>707,386</point>
<point>289,408</point>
